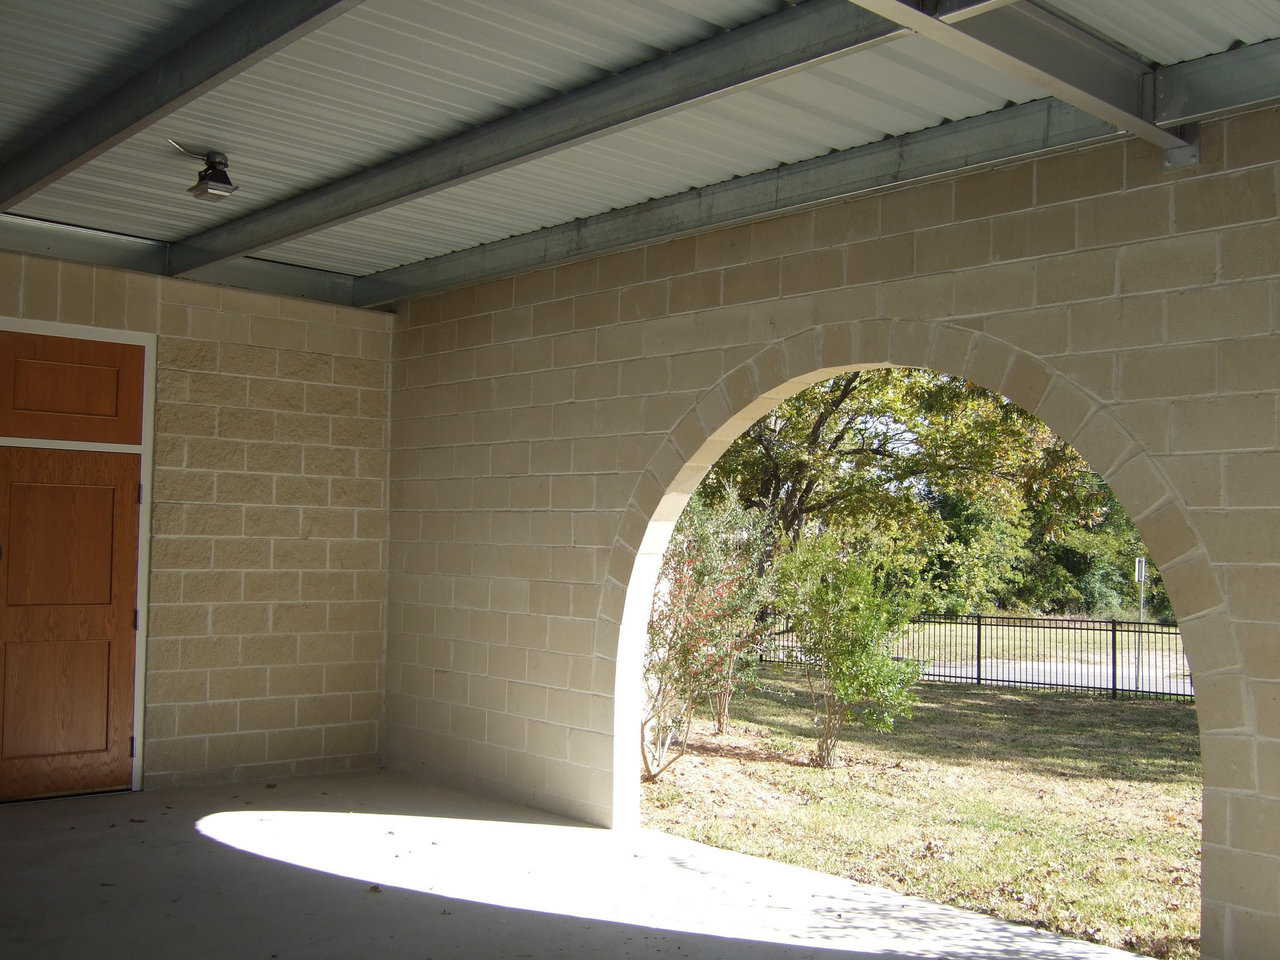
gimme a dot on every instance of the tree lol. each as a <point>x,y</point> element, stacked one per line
<point>1008,514</point>
<point>981,557</point>
<point>1086,565</point>
<point>705,626</point>
<point>846,599</point>
<point>868,443</point>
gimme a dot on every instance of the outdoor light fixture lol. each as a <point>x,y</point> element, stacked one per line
<point>212,183</point>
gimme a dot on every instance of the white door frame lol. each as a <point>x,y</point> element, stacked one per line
<point>147,341</point>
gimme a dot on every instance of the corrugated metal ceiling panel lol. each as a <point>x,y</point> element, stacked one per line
<point>1170,31</point>
<point>53,50</point>
<point>908,84</point>
<point>376,82</point>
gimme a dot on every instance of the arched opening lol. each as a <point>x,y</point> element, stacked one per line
<point>750,391</point>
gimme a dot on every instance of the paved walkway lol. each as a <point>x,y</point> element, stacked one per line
<point>378,866</point>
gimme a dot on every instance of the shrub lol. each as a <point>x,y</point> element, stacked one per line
<point>705,625</point>
<point>846,601</point>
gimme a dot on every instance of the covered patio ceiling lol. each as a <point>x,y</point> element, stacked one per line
<point>391,147</point>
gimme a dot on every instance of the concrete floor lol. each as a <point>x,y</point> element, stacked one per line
<point>378,866</point>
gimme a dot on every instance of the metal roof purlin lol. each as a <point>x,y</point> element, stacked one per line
<point>241,38</point>
<point>1216,84</point>
<point>1001,135</point>
<point>1050,53</point>
<point>799,36</point>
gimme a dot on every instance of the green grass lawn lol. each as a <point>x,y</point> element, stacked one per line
<point>1068,812</point>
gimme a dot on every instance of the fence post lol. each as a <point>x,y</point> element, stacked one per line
<point>978,662</point>
<point>1113,660</point>
<point>1137,657</point>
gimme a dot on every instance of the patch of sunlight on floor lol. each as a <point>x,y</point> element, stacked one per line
<point>639,877</point>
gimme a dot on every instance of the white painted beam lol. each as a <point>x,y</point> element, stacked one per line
<point>1047,52</point>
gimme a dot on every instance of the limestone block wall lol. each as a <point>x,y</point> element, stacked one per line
<point>268,582</point>
<point>547,427</point>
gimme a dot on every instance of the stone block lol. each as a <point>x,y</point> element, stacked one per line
<point>1177,371</point>
<point>917,206</point>
<point>872,261</point>
<point>1033,233</point>
<point>1240,422</point>
<point>1123,218</point>
<point>953,247</point>
<point>1080,173</point>
<point>994,192</point>
<point>1169,264</point>
<point>753,281</point>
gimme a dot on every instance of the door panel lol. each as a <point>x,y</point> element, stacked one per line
<point>59,543</point>
<point>40,386</point>
<point>68,576</point>
<point>57,388</point>
<point>55,697</point>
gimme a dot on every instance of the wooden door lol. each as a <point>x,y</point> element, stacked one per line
<point>68,576</point>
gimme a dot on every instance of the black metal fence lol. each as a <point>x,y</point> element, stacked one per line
<point>1122,657</point>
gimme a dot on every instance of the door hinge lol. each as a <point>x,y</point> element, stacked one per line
<point>139,493</point>
<point>131,747</point>
<point>135,618</point>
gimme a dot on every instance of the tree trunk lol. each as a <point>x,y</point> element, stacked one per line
<point>828,731</point>
<point>663,739</point>
<point>720,700</point>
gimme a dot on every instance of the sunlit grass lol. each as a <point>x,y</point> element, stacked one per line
<point>1068,812</point>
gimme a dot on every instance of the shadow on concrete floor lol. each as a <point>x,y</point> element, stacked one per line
<point>380,866</point>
